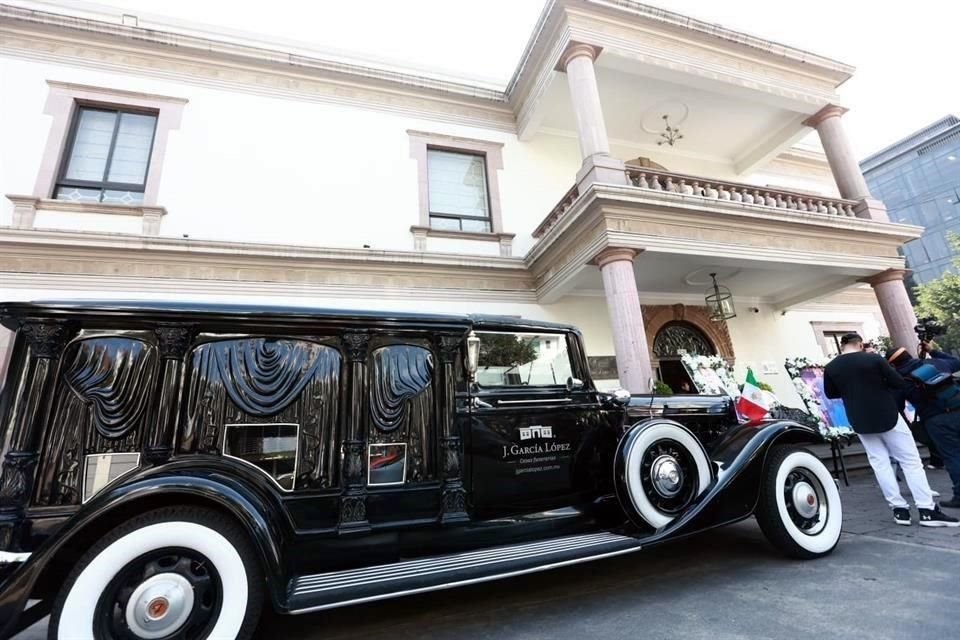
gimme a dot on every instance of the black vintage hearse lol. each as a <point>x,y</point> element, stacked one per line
<point>168,469</point>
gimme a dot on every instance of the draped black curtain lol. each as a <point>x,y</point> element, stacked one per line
<point>261,375</point>
<point>401,372</point>
<point>111,376</point>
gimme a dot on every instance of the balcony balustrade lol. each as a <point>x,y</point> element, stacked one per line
<point>685,186</point>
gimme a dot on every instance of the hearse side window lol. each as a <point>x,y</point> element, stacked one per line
<point>523,359</point>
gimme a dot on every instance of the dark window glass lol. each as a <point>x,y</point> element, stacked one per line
<point>270,447</point>
<point>107,156</point>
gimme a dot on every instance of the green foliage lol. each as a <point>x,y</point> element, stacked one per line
<point>763,386</point>
<point>661,388</point>
<point>505,350</point>
<point>883,344</point>
<point>940,298</point>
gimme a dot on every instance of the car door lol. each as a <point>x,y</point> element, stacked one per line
<point>534,439</point>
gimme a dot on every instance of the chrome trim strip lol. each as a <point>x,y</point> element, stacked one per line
<point>534,401</point>
<point>463,583</point>
<point>419,574</point>
<point>309,585</point>
<point>490,552</point>
<point>9,557</point>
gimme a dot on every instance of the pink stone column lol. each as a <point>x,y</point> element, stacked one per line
<point>577,61</point>
<point>626,320</point>
<point>598,164</point>
<point>896,308</point>
<point>840,155</point>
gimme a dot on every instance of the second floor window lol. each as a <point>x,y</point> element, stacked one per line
<point>459,198</point>
<point>107,156</point>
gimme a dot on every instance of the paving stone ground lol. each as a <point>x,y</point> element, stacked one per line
<point>883,582</point>
<point>865,513</point>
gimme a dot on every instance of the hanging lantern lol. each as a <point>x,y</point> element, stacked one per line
<point>720,302</point>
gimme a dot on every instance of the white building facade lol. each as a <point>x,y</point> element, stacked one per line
<point>145,159</point>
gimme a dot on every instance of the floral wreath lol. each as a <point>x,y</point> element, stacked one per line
<point>794,366</point>
<point>694,364</point>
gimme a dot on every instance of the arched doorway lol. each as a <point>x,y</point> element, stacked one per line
<point>672,338</point>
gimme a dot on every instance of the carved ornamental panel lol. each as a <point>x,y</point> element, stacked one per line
<point>265,380</point>
<point>103,394</point>
<point>401,400</point>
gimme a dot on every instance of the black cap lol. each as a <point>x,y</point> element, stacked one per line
<point>850,338</point>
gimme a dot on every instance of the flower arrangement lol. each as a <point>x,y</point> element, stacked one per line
<point>711,374</point>
<point>794,366</point>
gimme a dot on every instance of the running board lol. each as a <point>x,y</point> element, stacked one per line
<point>353,586</point>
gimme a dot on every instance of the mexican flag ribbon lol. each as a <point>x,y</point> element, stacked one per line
<point>751,404</point>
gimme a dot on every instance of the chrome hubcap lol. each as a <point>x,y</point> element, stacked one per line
<point>805,500</point>
<point>667,476</point>
<point>159,605</point>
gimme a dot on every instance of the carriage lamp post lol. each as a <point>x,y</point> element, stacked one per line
<point>720,302</point>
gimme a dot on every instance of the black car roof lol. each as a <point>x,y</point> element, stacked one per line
<point>161,310</point>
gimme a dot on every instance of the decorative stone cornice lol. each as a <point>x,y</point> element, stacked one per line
<point>254,65</point>
<point>247,67</point>
<point>829,111</point>
<point>84,261</point>
<point>629,217</point>
<point>575,50</point>
<point>890,275</point>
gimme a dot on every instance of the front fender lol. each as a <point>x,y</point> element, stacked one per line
<point>740,457</point>
<point>217,482</point>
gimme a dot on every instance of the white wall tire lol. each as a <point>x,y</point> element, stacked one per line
<point>79,610</point>
<point>696,475</point>
<point>807,526</point>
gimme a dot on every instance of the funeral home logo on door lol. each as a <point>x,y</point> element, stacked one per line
<point>536,431</point>
<point>534,440</point>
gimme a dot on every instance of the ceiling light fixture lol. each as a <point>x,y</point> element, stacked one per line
<point>670,135</point>
<point>720,301</point>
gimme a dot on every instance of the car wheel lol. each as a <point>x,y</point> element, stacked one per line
<point>178,572</point>
<point>799,509</point>
<point>665,469</point>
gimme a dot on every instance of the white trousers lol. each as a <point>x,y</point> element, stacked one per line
<point>898,444</point>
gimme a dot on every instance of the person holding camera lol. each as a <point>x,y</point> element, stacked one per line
<point>935,394</point>
<point>872,394</point>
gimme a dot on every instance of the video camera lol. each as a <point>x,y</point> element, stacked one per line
<point>929,328</point>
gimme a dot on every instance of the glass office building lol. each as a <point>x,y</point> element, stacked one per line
<point>918,179</point>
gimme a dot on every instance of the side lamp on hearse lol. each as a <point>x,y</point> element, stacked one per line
<point>473,355</point>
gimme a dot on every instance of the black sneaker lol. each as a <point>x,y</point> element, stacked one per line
<point>936,518</point>
<point>951,504</point>
<point>901,515</point>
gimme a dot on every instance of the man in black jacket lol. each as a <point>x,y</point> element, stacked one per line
<point>872,391</point>
<point>938,406</point>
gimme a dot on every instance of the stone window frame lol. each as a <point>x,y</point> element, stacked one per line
<point>821,328</point>
<point>62,104</point>
<point>492,152</point>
